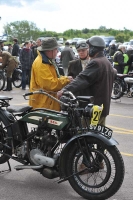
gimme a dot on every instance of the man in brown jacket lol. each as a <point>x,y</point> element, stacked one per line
<point>97,77</point>
<point>9,62</point>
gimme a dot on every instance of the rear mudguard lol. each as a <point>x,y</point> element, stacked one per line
<point>72,141</point>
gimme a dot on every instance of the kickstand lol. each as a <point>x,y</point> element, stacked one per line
<point>7,170</point>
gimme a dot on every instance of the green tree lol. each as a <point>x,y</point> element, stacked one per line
<point>85,30</point>
<point>22,30</point>
<point>49,34</point>
<point>120,37</point>
<point>102,28</point>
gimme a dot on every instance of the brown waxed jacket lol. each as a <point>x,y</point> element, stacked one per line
<point>9,62</point>
<point>98,78</point>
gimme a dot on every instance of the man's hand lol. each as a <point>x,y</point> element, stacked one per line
<point>70,78</point>
<point>59,94</point>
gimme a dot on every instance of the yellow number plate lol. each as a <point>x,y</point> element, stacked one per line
<point>97,110</point>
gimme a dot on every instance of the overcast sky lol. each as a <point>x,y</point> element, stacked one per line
<point>61,15</point>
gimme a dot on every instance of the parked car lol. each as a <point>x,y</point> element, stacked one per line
<point>112,42</point>
<point>70,41</point>
<point>108,39</point>
<point>74,40</point>
<point>126,44</point>
<point>60,41</point>
<point>130,44</point>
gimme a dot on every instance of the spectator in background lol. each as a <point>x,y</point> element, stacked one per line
<point>76,66</point>
<point>112,49</point>
<point>15,49</point>
<point>9,63</point>
<point>2,46</point>
<point>26,60</point>
<point>34,48</point>
<point>118,59</point>
<point>126,58</point>
<point>33,44</point>
<point>130,61</point>
<point>66,56</point>
<point>10,48</point>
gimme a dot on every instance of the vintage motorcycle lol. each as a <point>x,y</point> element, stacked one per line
<point>56,144</point>
<point>123,84</point>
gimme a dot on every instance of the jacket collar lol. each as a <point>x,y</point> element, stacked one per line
<point>45,59</point>
<point>99,54</point>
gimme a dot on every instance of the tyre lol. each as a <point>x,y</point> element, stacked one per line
<point>103,171</point>
<point>2,81</point>
<point>17,78</point>
<point>117,92</point>
<point>3,140</point>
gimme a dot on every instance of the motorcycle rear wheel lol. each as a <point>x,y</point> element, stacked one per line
<point>96,182</point>
<point>117,91</point>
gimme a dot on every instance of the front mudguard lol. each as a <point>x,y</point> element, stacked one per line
<point>66,149</point>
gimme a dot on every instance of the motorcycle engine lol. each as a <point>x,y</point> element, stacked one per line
<point>45,140</point>
<point>21,151</point>
<point>40,153</point>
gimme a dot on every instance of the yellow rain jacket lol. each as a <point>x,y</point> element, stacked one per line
<point>45,77</point>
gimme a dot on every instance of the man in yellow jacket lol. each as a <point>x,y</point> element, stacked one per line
<point>45,76</point>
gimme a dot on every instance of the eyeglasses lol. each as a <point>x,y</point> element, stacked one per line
<point>81,45</point>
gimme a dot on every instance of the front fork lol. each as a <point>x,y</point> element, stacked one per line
<point>85,150</point>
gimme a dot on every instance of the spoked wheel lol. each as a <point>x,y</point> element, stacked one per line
<point>99,173</point>
<point>2,81</point>
<point>17,79</point>
<point>3,140</point>
<point>117,90</point>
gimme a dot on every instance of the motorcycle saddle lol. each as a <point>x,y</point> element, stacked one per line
<point>19,109</point>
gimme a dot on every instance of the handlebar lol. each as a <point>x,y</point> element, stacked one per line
<point>46,93</point>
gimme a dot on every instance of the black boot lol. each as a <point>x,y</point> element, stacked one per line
<point>9,84</point>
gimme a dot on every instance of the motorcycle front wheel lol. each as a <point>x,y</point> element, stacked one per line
<point>117,92</point>
<point>97,171</point>
<point>17,79</point>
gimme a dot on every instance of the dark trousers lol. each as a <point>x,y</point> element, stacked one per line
<point>25,77</point>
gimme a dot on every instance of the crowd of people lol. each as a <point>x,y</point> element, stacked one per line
<point>121,56</point>
<point>16,54</point>
<point>90,74</point>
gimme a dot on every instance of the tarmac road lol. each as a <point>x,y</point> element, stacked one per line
<point>30,185</point>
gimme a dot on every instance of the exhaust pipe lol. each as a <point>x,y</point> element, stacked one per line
<point>20,167</point>
<point>44,160</point>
